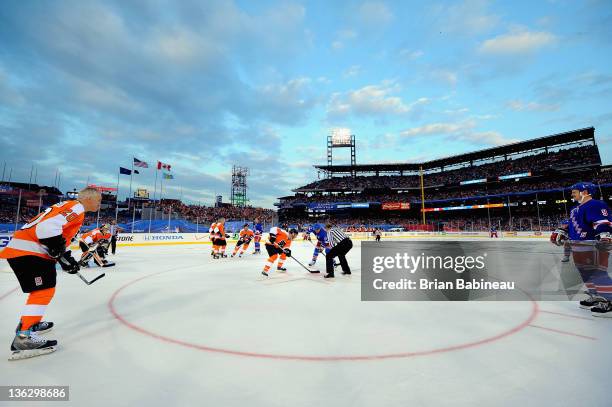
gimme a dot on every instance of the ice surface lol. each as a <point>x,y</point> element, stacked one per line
<point>170,326</point>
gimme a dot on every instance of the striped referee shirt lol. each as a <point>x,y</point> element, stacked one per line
<point>335,236</point>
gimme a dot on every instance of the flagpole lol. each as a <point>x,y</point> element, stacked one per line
<point>130,194</point>
<point>116,197</point>
<point>154,201</point>
<point>133,218</point>
<point>31,171</point>
<point>161,188</point>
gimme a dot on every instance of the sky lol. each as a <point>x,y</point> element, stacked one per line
<point>202,85</point>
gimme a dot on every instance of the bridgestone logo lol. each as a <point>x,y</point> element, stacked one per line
<point>125,238</point>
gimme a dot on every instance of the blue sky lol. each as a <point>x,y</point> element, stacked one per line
<point>202,85</point>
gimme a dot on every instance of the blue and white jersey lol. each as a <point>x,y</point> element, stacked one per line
<point>258,229</point>
<point>321,236</point>
<point>589,219</point>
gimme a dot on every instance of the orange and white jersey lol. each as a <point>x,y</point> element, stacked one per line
<point>64,218</point>
<point>282,237</point>
<point>93,236</point>
<point>211,230</point>
<point>220,230</point>
<point>246,234</point>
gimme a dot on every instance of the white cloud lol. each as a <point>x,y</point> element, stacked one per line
<point>372,100</point>
<point>518,106</point>
<point>517,43</point>
<point>353,70</point>
<point>342,37</point>
<point>464,130</point>
<point>457,111</point>
<point>105,96</point>
<point>438,129</point>
<point>444,75</point>
<point>410,54</point>
<point>375,13</point>
<point>491,138</point>
<point>470,17</point>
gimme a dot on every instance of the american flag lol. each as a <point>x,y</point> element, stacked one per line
<point>161,165</point>
<point>138,163</point>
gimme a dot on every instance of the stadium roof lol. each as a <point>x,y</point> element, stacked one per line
<point>570,137</point>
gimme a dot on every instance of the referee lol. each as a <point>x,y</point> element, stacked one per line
<point>340,245</point>
<point>114,231</point>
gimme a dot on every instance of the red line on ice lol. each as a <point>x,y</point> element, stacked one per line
<point>566,315</point>
<point>563,332</point>
<point>314,358</point>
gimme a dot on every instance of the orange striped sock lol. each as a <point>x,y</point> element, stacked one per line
<point>35,307</point>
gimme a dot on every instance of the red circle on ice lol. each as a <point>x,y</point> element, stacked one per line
<point>310,358</point>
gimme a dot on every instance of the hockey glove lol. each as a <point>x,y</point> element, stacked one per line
<point>287,252</point>
<point>558,237</point>
<point>56,245</point>
<point>68,263</point>
<point>604,237</point>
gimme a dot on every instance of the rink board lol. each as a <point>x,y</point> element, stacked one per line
<point>170,239</point>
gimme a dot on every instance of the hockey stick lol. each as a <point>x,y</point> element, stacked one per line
<point>324,255</point>
<point>321,252</point>
<point>90,282</point>
<point>304,267</point>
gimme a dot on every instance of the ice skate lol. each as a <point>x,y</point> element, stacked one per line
<point>603,310</point>
<point>591,302</point>
<point>27,344</point>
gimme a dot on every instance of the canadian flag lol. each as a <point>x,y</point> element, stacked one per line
<point>161,165</point>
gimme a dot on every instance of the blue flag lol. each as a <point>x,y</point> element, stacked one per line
<point>125,171</point>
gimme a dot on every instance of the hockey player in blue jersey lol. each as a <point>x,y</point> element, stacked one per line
<point>258,233</point>
<point>322,242</point>
<point>589,230</point>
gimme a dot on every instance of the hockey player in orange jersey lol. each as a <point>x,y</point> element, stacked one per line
<point>95,244</point>
<point>244,239</point>
<point>277,246</point>
<point>211,236</point>
<point>219,244</point>
<point>32,254</point>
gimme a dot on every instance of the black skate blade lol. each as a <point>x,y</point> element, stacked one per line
<point>31,353</point>
<point>108,265</point>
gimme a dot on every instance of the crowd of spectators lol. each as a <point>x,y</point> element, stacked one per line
<point>192,213</point>
<point>457,224</point>
<point>567,158</point>
<point>447,193</point>
<point>209,214</point>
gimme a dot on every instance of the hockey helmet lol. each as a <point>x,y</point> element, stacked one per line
<point>585,186</point>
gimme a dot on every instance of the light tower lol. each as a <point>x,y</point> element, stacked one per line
<point>341,138</point>
<point>239,186</point>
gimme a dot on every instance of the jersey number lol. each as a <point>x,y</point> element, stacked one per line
<point>66,213</point>
<point>37,219</point>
